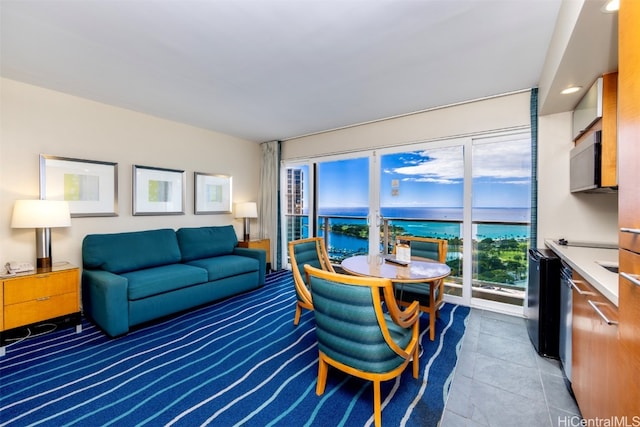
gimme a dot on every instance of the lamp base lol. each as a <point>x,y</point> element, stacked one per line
<point>43,264</point>
<point>43,249</point>
<point>247,231</point>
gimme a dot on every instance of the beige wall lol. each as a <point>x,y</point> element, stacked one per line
<point>36,121</point>
<point>588,217</point>
<point>585,217</point>
<point>504,112</point>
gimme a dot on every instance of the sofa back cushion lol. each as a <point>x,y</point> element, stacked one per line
<point>123,252</point>
<point>206,242</point>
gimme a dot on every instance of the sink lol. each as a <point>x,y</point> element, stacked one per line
<point>612,267</point>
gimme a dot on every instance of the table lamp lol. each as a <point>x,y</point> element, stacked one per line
<point>246,211</point>
<point>41,215</point>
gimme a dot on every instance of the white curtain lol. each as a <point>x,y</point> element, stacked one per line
<point>268,197</point>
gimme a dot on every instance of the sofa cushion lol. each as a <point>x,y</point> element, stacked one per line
<point>158,280</point>
<point>122,252</point>
<point>205,242</point>
<point>226,266</point>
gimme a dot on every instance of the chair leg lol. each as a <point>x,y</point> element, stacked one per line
<point>416,361</point>
<point>377,411</point>
<point>433,312</point>
<point>432,326</point>
<point>322,376</point>
<point>296,319</point>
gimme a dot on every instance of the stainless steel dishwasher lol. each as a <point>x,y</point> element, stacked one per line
<point>566,307</point>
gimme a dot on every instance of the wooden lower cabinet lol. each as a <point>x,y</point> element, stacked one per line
<point>31,298</point>
<point>629,307</point>
<point>595,352</point>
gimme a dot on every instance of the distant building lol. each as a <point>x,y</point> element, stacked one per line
<point>295,204</point>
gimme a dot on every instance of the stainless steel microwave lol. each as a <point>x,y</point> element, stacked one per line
<point>586,166</point>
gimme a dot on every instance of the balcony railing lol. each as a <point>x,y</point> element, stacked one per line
<point>499,250</point>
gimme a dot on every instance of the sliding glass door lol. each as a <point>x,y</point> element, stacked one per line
<point>501,216</point>
<point>473,192</point>
<point>297,204</point>
<point>344,206</point>
<point>422,194</point>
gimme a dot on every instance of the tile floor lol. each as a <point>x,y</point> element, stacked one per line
<point>501,381</point>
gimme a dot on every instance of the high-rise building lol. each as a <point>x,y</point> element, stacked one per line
<point>295,204</point>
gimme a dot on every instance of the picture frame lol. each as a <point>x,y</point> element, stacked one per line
<point>212,193</point>
<point>158,191</point>
<point>89,186</point>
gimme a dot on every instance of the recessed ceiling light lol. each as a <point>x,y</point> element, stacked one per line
<point>611,6</point>
<point>572,89</point>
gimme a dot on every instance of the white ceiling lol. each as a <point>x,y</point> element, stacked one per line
<point>275,69</point>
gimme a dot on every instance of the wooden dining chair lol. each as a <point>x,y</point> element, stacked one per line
<point>356,335</point>
<point>430,295</point>
<point>310,251</point>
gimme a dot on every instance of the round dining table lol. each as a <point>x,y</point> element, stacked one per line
<point>418,270</point>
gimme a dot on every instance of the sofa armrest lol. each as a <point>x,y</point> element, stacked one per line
<point>260,255</point>
<point>104,298</point>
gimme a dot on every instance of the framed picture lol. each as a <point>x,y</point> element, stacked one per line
<point>158,191</point>
<point>90,187</point>
<point>212,193</point>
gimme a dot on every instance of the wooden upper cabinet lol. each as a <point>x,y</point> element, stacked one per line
<point>609,130</point>
<point>608,124</point>
<point>629,122</point>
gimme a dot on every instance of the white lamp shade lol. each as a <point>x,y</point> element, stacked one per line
<point>247,210</point>
<point>40,214</point>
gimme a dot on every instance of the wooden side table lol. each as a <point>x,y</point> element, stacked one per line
<point>259,244</point>
<point>33,297</point>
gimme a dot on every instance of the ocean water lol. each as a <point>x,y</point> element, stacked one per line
<point>510,215</point>
<point>445,223</point>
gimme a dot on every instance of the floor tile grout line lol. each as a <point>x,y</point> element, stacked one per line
<point>475,325</point>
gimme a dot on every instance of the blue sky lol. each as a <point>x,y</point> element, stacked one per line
<point>423,178</point>
<point>434,178</point>
<point>344,183</point>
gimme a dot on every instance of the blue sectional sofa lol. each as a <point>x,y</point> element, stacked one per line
<point>134,277</point>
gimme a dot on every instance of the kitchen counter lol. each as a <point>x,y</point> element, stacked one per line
<point>585,261</point>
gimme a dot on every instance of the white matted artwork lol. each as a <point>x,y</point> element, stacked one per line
<point>212,193</point>
<point>89,186</point>
<point>158,191</point>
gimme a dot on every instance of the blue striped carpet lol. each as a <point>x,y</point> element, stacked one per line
<point>238,362</point>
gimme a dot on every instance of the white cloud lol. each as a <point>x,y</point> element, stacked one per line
<point>502,160</point>
<point>442,165</point>
<point>498,161</point>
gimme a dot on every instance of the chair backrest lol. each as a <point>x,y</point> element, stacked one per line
<point>351,326</point>
<point>308,251</point>
<point>426,247</point>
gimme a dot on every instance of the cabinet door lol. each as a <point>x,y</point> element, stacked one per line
<point>604,369</point>
<point>37,297</point>
<point>582,342</point>
<point>629,122</point>
<point>609,177</point>
<point>629,297</point>
<point>629,202</point>
<point>595,352</point>
<point>41,285</point>
<point>40,309</point>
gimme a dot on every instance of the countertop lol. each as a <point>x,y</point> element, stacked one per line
<point>585,261</point>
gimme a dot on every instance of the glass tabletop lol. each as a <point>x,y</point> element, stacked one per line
<point>418,270</point>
